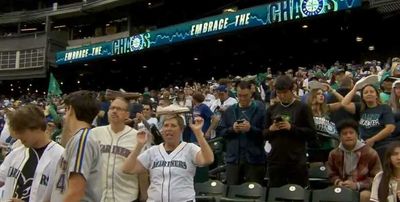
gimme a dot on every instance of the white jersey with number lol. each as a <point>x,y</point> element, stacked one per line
<point>115,148</point>
<point>171,175</point>
<point>81,156</point>
<point>43,179</point>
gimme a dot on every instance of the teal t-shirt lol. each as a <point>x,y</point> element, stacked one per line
<point>384,97</point>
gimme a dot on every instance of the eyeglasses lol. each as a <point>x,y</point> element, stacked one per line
<point>117,108</point>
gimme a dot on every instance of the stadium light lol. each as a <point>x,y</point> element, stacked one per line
<point>359,39</point>
<point>195,58</point>
<point>304,26</point>
<point>78,82</point>
<point>144,67</point>
<point>220,40</point>
<point>371,48</point>
<point>230,10</point>
<point>12,89</point>
<point>28,29</point>
<point>62,83</point>
<point>59,26</point>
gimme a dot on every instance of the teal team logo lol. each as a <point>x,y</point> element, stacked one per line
<point>137,42</point>
<point>312,7</point>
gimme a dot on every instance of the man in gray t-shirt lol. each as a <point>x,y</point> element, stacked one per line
<point>78,174</point>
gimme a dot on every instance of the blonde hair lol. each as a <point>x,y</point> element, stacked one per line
<point>177,117</point>
<point>394,100</point>
<point>324,108</point>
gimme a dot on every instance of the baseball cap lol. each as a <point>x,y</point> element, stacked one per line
<point>222,88</point>
<point>395,83</point>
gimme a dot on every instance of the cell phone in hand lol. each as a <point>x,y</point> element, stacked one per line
<point>278,119</point>
<point>240,121</point>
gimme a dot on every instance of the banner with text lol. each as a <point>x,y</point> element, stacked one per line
<point>262,15</point>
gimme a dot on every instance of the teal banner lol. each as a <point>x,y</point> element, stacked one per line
<point>262,15</point>
<point>85,53</point>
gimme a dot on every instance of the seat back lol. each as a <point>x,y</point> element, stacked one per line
<point>210,188</point>
<point>318,176</point>
<point>289,192</point>
<point>335,194</point>
<point>248,190</point>
<point>318,172</point>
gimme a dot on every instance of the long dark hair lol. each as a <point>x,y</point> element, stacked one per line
<point>363,104</point>
<point>383,189</point>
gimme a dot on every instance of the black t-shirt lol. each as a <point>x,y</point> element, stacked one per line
<point>24,182</point>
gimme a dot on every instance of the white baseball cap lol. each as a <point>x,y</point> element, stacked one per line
<point>396,82</point>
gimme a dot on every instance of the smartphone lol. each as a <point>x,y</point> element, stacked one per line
<point>240,121</point>
<point>278,119</point>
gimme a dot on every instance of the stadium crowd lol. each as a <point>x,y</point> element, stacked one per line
<point>273,124</point>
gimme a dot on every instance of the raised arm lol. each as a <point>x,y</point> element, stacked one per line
<point>205,156</point>
<point>337,105</point>
<point>131,164</point>
<point>346,102</point>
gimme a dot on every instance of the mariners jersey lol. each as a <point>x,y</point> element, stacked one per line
<point>81,156</point>
<point>171,175</point>
<point>115,148</point>
<point>43,179</point>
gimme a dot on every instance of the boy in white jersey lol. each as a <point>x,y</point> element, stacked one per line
<point>27,173</point>
<point>78,176</point>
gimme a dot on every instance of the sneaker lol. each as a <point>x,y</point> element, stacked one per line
<point>371,79</point>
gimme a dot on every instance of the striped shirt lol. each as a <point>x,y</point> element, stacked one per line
<point>82,156</point>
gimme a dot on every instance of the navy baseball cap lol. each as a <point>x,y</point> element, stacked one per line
<point>222,88</point>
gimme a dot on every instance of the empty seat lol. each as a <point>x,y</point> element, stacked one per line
<point>289,192</point>
<point>318,176</point>
<point>210,190</point>
<point>335,194</point>
<point>245,192</point>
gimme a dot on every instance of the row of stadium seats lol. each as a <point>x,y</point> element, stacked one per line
<point>214,190</point>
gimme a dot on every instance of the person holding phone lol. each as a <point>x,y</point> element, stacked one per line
<point>241,127</point>
<point>289,125</point>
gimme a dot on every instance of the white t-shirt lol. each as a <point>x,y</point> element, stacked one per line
<point>5,133</point>
<point>153,121</point>
<point>228,102</point>
<point>209,99</point>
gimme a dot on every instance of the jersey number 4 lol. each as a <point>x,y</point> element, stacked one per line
<point>61,183</point>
